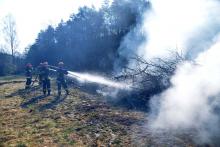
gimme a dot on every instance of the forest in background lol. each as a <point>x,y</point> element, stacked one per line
<point>89,40</point>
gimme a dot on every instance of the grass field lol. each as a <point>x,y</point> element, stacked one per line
<point>80,119</point>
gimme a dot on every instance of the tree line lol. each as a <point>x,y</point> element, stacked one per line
<point>90,39</point>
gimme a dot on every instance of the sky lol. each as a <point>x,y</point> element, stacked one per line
<point>31,16</point>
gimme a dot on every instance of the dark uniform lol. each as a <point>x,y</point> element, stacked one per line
<point>28,74</point>
<point>40,73</point>
<point>45,79</point>
<point>61,81</point>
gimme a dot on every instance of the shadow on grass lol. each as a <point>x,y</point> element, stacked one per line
<point>32,101</point>
<point>23,92</point>
<point>12,82</point>
<point>52,104</point>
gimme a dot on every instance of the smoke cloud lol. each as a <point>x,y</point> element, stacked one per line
<point>186,25</point>
<point>192,28</point>
<point>193,100</point>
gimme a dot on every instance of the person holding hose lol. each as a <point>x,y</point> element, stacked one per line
<point>29,70</point>
<point>45,78</point>
<point>61,81</point>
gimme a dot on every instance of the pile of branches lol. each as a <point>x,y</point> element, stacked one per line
<point>148,78</point>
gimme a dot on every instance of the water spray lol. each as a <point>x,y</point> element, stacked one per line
<point>92,78</point>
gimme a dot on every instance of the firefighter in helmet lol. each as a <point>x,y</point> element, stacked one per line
<point>29,70</point>
<point>61,81</point>
<point>45,78</point>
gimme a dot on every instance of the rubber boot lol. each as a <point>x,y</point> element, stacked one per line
<point>59,93</point>
<point>67,92</point>
<point>48,93</point>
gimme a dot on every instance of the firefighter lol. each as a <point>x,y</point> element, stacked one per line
<point>61,81</point>
<point>40,71</point>
<point>45,78</point>
<point>28,74</point>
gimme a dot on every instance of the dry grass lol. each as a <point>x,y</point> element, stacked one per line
<point>80,119</point>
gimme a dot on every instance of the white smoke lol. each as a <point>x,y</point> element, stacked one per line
<point>192,27</point>
<point>179,24</point>
<point>194,97</point>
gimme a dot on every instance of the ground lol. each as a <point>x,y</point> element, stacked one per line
<point>80,119</point>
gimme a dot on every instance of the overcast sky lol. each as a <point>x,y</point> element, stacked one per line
<point>33,15</point>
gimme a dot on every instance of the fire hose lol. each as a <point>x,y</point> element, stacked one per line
<point>54,68</point>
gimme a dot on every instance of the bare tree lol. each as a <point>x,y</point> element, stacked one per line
<point>10,34</point>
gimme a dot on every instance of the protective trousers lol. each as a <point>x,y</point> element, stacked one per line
<point>62,83</point>
<point>46,86</point>
<point>40,80</point>
<point>28,82</point>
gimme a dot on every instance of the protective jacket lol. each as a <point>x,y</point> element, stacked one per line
<point>46,79</point>
<point>28,72</point>
<point>40,73</point>
<point>61,74</point>
<point>45,73</point>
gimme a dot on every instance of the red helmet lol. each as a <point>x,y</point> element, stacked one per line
<point>28,65</point>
